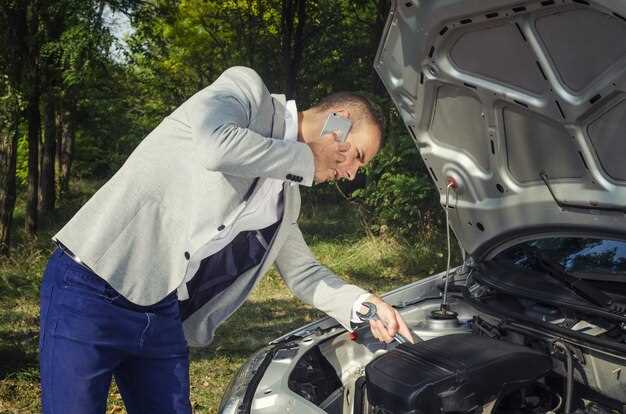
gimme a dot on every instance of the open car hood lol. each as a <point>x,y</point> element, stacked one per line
<point>522,104</point>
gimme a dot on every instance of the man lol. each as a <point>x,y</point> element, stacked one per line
<point>174,243</point>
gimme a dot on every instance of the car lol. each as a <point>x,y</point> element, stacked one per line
<point>518,109</point>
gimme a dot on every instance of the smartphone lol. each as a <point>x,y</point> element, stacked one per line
<point>338,124</point>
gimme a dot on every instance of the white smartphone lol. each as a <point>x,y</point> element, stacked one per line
<point>338,124</point>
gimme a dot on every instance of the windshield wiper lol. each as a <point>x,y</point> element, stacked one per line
<point>580,286</point>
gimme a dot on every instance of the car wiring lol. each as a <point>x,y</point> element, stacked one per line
<point>569,382</point>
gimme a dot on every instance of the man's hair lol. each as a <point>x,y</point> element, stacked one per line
<point>361,106</point>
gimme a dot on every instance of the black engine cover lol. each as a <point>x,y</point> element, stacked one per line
<point>453,373</point>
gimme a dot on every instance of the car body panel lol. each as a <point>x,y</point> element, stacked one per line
<point>522,104</point>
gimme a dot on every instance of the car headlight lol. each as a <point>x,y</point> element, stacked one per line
<point>239,392</point>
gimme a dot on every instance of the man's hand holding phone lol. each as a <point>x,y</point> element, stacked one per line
<point>328,152</point>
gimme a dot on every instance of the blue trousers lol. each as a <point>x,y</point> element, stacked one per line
<point>90,333</point>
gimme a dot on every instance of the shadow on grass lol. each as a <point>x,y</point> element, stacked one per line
<point>15,360</point>
<point>19,338</point>
<point>255,324</point>
<point>329,221</point>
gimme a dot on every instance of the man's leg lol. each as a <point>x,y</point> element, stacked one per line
<point>75,377</point>
<point>155,386</point>
<point>156,379</point>
<point>89,331</point>
<point>75,365</point>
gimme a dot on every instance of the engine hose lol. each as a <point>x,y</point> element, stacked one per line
<point>444,302</point>
<point>569,384</point>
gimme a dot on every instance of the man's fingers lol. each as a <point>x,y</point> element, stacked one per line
<point>328,153</point>
<point>383,335</point>
<point>392,327</point>
<point>374,330</point>
<point>390,324</point>
<point>375,327</point>
<point>403,329</point>
<point>406,332</point>
<point>331,135</point>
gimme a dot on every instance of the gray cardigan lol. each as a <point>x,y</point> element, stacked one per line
<point>141,231</point>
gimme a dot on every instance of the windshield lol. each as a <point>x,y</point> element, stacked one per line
<point>575,254</point>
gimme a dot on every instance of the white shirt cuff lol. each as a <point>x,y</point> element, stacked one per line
<point>357,307</point>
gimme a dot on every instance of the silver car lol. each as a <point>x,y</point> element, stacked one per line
<point>518,109</point>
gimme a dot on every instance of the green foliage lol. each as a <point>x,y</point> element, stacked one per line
<point>180,47</point>
<point>399,194</point>
<point>22,161</point>
<point>11,102</point>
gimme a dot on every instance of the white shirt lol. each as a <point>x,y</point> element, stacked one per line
<point>263,208</point>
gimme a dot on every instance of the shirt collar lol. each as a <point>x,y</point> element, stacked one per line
<point>291,121</point>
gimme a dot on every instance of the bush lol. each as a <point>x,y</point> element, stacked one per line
<point>398,192</point>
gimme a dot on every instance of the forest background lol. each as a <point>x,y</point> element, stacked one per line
<point>78,92</point>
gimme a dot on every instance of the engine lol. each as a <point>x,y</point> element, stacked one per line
<point>459,374</point>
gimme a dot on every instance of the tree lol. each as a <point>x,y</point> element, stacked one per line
<point>292,27</point>
<point>10,106</point>
<point>54,19</point>
<point>33,115</point>
<point>53,55</point>
<point>13,26</point>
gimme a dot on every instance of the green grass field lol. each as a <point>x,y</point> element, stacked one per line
<point>333,231</point>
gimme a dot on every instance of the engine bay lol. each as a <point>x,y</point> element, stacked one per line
<point>501,353</point>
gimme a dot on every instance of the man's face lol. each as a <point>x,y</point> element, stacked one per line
<point>364,139</point>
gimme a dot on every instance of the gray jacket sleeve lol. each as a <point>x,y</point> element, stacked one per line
<point>219,117</point>
<point>313,283</point>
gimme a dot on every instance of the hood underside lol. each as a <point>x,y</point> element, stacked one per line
<point>522,104</point>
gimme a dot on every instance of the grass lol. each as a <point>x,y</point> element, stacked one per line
<point>333,231</point>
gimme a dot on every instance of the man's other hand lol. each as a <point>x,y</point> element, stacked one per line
<point>328,152</point>
<point>390,321</point>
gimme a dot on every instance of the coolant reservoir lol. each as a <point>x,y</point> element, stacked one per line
<point>432,327</point>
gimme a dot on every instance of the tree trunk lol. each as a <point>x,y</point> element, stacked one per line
<point>15,51</point>
<point>292,46</point>
<point>58,141</point>
<point>252,33</point>
<point>382,10</point>
<point>34,131</point>
<point>286,42</point>
<point>298,50</point>
<point>33,118</point>
<point>8,162</point>
<point>68,133</point>
<point>46,185</point>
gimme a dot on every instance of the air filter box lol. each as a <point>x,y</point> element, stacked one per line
<point>453,373</point>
